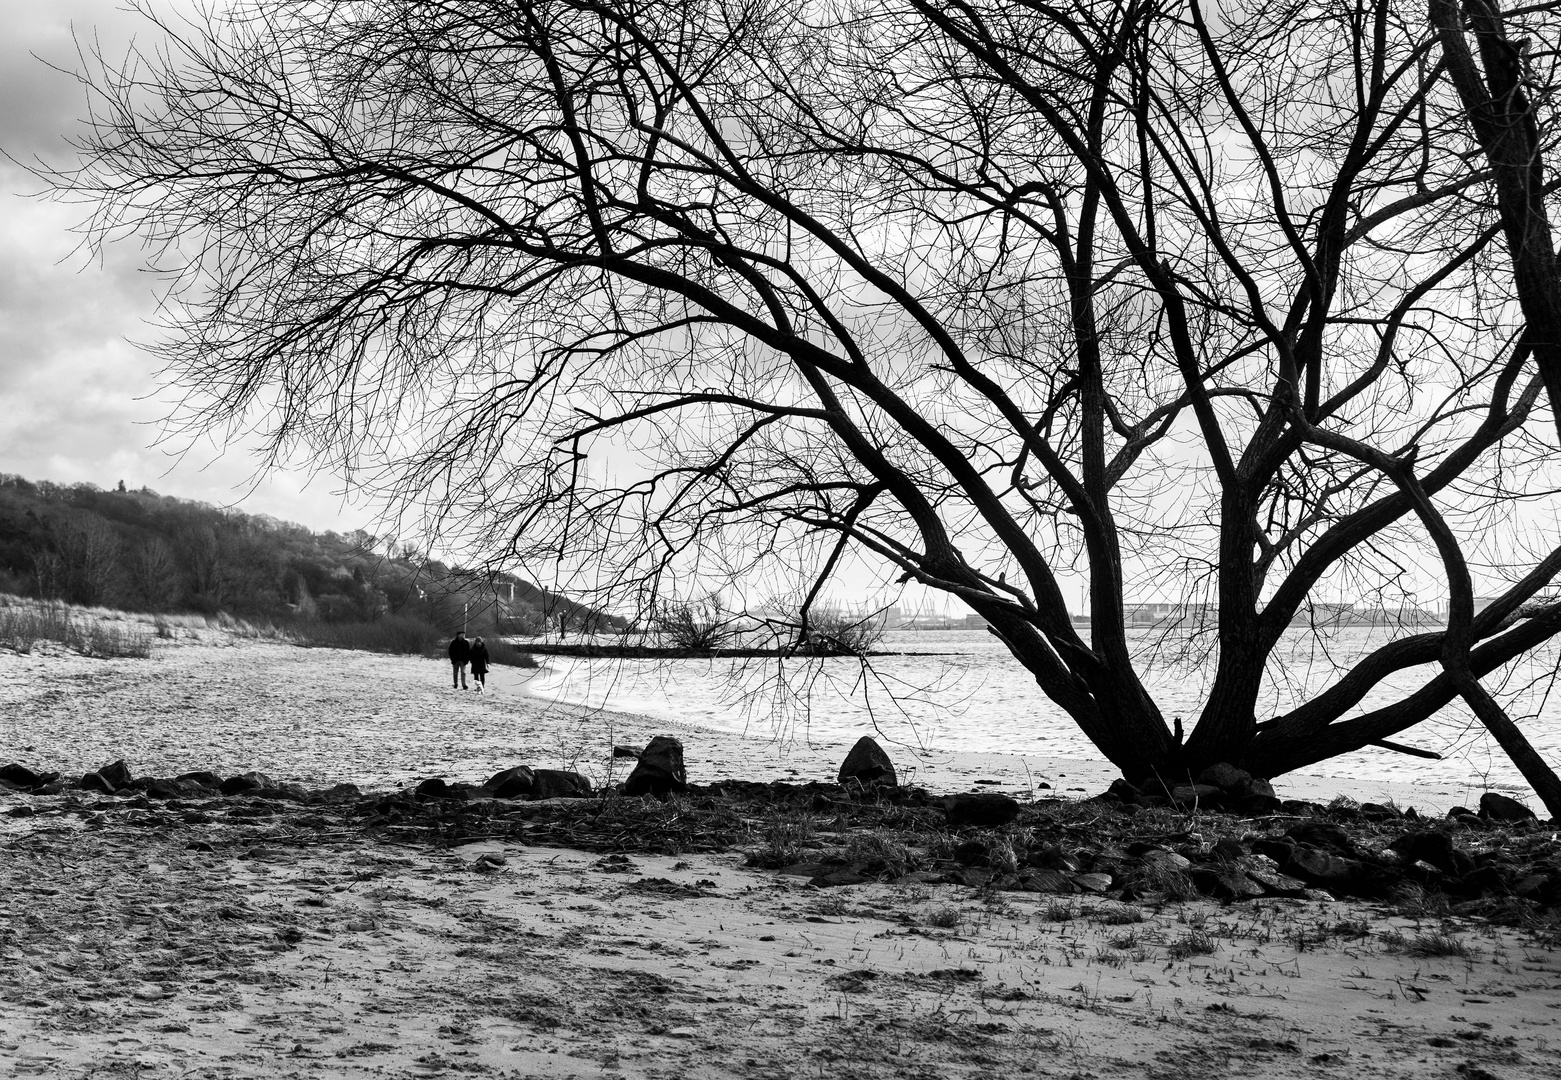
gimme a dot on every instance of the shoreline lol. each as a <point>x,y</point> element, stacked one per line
<point>1020,775</point>
<point>209,699</point>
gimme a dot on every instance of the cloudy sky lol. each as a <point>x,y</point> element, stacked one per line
<point>78,401</point>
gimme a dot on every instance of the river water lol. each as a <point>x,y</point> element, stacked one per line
<point>959,691</point>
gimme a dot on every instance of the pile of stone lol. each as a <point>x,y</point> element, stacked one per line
<point>116,778</point>
<point>658,771</point>
<point>1221,786</point>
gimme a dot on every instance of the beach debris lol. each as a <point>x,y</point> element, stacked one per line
<point>979,810</point>
<point>1498,807</point>
<point>867,764</point>
<point>660,770</point>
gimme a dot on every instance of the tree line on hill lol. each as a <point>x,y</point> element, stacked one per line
<point>139,550</point>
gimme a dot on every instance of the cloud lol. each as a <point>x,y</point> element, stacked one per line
<point>78,401</point>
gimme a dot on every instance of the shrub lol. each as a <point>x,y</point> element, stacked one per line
<point>104,641</point>
<point>785,838</point>
<point>23,626</point>
<point>395,634</point>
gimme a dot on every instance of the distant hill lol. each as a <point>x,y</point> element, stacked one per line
<point>148,552</point>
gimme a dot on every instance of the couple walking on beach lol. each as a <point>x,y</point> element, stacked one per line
<point>463,652</point>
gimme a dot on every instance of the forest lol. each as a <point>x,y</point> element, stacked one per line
<point>138,550</point>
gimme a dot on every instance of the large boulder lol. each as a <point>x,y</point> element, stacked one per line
<point>867,764</point>
<point>1497,807</point>
<point>558,784</point>
<point>980,810</point>
<point>660,769</point>
<point>515,783</point>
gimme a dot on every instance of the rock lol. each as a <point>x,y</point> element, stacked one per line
<point>1274,883</point>
<point>1228,850</point>
<point>436,788</point>
<point>1165,860</point>
<point>204,779</point>
<point>660,769</point>
<point>21,776</point>
<point>1322,834</point>
<point>515,783</point>
<point>625,752</point>
<point>1277,848</point>
<point>166,789</point>
<point>833,878</point>
<point>1096,883</point>
<point>96,782</point>
<point>1052,857</point>
<point>559,784</point>
<point>1322,867</point>
<point>1435,849</point>
<point>244,783</point>
<point>1202,794</point>
<point>1497,807</point>
<point>341,793</point>
<point>867,764</point>
<point>1225,776</point>
<point>1255,787</point>
<point>1378,812</point>
<point>981,810</point>
<point>972,853</point>
<point>117,774</point>
<point>1047,881</point>
<point>1223,882</point>
<point>1483,881</point>
<point>1123,790</point>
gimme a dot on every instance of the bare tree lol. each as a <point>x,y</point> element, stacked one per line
<point>90,553</point>
<point>697,626</point>
<point>154,574</point>
<point>990,293</point>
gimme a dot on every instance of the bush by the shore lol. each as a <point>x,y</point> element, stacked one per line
<point>105,633</point>
<point>24,626</point>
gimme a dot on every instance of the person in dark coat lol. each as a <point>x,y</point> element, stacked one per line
<point>479,662</point>
<point>460,656</point>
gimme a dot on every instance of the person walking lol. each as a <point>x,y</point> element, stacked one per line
<point>460,655</point>
<point>479,662</point>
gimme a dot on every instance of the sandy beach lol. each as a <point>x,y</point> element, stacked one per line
<point>213,698</point>
<point>144,940</point>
